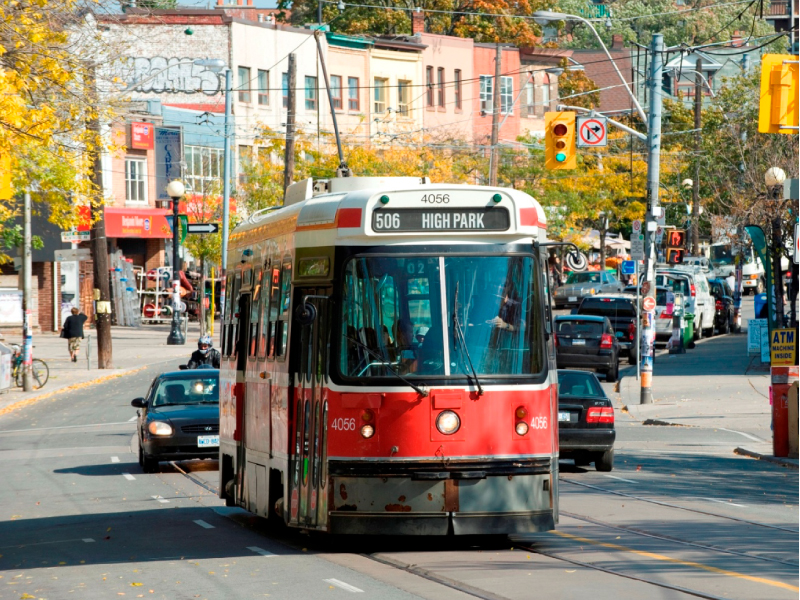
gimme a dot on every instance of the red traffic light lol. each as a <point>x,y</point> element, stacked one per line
<point>676,238</point>
<point>560,129</point>
<point>675,256</point>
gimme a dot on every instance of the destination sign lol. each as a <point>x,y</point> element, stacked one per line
<point>440,219</point>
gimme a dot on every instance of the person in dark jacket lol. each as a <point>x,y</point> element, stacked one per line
<point>73,331</point>
<point>205,354</point>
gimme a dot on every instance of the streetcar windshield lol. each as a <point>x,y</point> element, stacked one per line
<point>398,317</point>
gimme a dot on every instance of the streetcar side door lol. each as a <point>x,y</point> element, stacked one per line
<point>241,345</point>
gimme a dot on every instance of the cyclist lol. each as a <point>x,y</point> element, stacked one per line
<point>205,354</point>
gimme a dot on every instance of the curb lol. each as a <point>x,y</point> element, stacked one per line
<point>783,462</point>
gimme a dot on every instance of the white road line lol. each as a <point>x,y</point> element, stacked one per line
<point>133,418</point>
<point>160,499</point>
<point>63,427</point>
<point>129,477</point>
<point>724,502</point>
<point>88,540</point>
<point>115,459</point>
<point>260,551</point>
<point>344,586</point>
<point>203,524</point>
<point>747,435</point>
<point>620,478</point>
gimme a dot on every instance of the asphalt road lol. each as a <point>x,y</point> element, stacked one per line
<point>679,517</point>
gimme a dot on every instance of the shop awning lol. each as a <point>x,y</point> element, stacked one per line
<point>137,222</point>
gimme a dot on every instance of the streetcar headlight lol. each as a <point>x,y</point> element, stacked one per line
<point>367,431</point>
<point>521,428</point>
<point>448,422</point>
<point>160,428</point>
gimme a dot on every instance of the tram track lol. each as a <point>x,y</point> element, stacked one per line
<point>679,507</point>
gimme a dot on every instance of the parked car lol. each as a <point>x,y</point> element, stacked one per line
<point>723,296</point>
<point>620,310</point>
<point>585,420</point>
<point>584,284</point>
<point>179,418</point>
<point>587,342</point>
<point>692,283</point>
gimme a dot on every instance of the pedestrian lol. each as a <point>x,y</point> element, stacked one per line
<point>73,331</point>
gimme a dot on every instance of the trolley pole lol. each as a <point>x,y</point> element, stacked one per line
<point>288,162</point>
<point>648,326</point>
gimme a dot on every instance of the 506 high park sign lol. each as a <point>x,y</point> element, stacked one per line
<point>784,348</point>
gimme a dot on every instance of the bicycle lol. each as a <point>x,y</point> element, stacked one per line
<point>39,369</point>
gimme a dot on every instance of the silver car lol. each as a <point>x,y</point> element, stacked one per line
<point>582,285</point>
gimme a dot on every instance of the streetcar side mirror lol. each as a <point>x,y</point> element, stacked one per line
<point>306,313</point>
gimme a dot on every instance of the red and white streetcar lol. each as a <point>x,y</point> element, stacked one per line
<point>387,361</point>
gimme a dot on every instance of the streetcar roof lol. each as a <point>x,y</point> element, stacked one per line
<point>342,210</point>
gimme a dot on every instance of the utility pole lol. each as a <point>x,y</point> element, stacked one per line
<point>648,326</point>
<point>698,107</point>
<point>27,296</point>
<point>99,246</point>
<point>493,160</point>
<point>288,162</point>
<point>226,192</point>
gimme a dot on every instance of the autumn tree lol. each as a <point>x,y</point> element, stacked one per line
<point>578,87</point>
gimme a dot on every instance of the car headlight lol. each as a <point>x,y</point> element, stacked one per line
<point>160,428</point>
<point>448,422</point>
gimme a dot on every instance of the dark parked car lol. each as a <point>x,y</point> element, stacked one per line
<point>723,296</point>
<point>179,418</point>
<point>620,309</point>
<point>585,420</point>
<point>587,342</point>
<point>585,284</point>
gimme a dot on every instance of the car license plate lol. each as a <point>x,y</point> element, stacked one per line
<point>572,299</point>
<point>207,441</point>
<point>578,342</point>
<point>563,416</point>
<point>619,334</point>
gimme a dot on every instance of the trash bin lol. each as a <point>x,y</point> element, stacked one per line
<point>759,302</point>
<point>688,330</point>
<point>6,354</point>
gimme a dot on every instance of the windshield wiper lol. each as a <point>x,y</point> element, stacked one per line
<point>421,390</point>
<point>459,333</point>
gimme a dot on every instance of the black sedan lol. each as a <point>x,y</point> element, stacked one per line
<point>587,342</point>
<point>585,420</point>
<point>179,418</point>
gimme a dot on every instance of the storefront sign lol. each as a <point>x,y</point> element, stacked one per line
<point>784,348</point>
<point>169,155</point>
<point>132,223</point>
<point>142,136</point>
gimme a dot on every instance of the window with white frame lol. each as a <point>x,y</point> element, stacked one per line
<point>380,95</point>
<point>546,92</point>
<point>311,93</point>
<point>203,169</point>
<point>404,98</point>
<point>486,92</point>
<point>136,180</point>
<point>529,102</point>
<point>506,95</point>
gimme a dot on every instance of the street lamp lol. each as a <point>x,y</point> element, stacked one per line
<point>176,190</point>
<point>542,17</point>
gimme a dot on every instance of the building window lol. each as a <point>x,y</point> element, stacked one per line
<point>311,93</point>
<point>440,86</point>
<point>546,92</point>
<point>285,89</point>
<point>380,95</point>
<point>203,169</point>
<point>352,93</point>
<point>404,98</point>
<point>530,106</point>
<point>263,87</point>
<point>486,93</point>
<point>429,85</point>
<point>245,160</point>
<point>457,88</point>
<point>136,180</point>
<point>244,84</point>
<point>336,91</point>
<point>506,95</point>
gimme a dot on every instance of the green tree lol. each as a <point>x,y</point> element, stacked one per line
<point>578,87</point>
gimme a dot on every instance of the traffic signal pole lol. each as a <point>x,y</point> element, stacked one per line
<point>648,325</point>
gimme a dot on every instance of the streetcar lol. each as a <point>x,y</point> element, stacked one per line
<point>388,366</point>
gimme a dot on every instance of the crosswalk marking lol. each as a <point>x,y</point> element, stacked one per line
<point>260,551</point>
<point>203,524</point>
<point>344,586</point>
<point>129,477</point>
<point>115,459</point>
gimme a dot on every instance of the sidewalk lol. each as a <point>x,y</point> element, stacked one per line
<point>132,349</point>
<point>715,386</point>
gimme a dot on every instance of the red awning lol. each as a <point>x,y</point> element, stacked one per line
<point>137,223</point>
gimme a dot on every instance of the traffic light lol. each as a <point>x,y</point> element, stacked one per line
<point>777,108</point>
<point>676,242</point>
<point>675,256</point>
<point>559,140</point>
<point>6,189</point>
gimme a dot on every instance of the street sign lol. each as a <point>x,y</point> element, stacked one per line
<point>637,226</point>
<point>72,255</point>
<point>75,236</point>
<point>203,228</point>
<point>637,246</point>
<point>659,235</point>
<point>592,132</point>
<point>628,267</point>
<point>648,304</point>
<point>784,348</point>
<point>184,222</point>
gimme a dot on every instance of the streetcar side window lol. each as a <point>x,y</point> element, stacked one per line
<point>274,300</point>
<point>255,322</point>
<point>283,320</point>
<point>264,318</point>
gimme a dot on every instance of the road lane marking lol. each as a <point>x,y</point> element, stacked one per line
<point>678,561</point>
<point>747,435</point>
<point>160,499</point>
<point>133,418</point>
<point>63,427</point>
<point>344,586</point>
<point>724,502</point>
<point>129,477</point>
<point>203,524</point>
<point>115,459</point>
<point>620,478</point>
<point>88,540</point>
<point>260,551</point>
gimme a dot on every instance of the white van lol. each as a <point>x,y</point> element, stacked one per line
<point>693,284</point>
<point>724,263</point>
